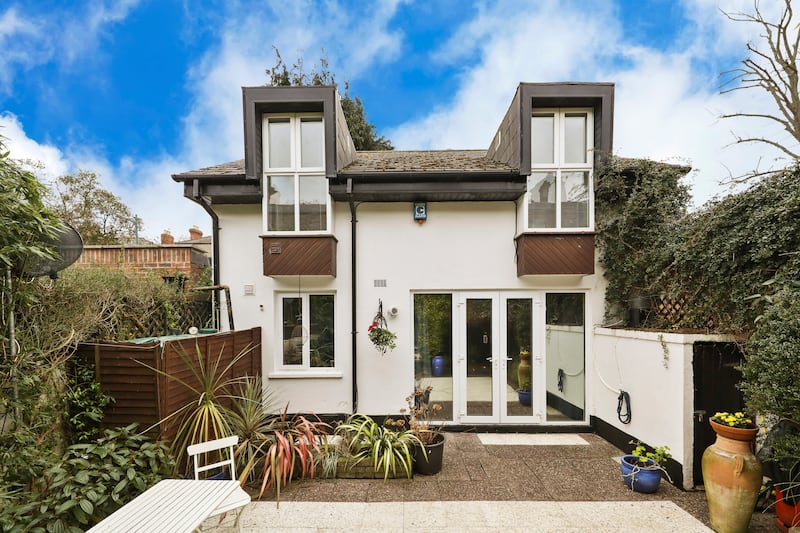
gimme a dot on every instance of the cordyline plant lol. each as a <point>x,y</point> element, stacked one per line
<point>207,415</point>
<point>289,449</point>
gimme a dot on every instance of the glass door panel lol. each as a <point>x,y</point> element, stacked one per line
<point>519,372</point>
<point>480,357</point>
<point>566,356</point>
<point>433,349</point>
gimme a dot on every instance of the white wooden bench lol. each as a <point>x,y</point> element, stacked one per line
<point>170,506</point>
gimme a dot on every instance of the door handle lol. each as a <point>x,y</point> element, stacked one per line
<point>490,358</point>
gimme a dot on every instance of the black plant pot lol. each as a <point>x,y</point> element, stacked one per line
<point>435,455</point>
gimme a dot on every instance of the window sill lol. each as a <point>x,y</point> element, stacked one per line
<point>305,374</point>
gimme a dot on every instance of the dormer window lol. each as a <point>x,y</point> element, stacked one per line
<point>559,196</point>
<point>296,195</point>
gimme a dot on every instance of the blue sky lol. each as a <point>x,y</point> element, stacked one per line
<point>139,90</point>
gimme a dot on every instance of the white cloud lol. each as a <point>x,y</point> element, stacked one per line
<point>667,102</point>
<point>212,129</point>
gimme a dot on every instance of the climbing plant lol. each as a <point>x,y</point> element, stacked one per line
<point>639,205</point>
<point>711,260</point>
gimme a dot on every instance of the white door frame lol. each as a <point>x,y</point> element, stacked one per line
<point>499,359</point>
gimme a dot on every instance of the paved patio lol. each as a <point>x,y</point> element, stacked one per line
<point>494,482</point>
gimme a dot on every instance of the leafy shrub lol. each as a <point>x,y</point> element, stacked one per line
<point>639,204</point>
<point>86,403</point>
<point>91,482</point>
<point>710,261</point>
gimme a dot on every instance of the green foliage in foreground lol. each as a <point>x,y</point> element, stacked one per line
<point>89,482</point>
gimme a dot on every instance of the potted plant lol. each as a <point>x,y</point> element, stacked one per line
<point>378,332</point>
<point>287,448</point>
<point>642,469</point>
<point>429,456</point>
<point>524,391</point>
<point>731,472</point>
<point>381,337</point>
<point>388,446</point>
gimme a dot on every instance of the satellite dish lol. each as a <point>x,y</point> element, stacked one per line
<point>68,246</point>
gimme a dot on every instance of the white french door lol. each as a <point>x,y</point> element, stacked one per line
<point>494,330</point>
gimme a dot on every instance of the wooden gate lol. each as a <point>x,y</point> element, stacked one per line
<point>715,381</point>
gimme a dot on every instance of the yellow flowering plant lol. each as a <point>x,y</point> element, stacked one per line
<point>734,420</point>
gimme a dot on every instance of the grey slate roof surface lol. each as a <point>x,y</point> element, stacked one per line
<point>233,168</point>
<point>407,161</point>
<point>386,161</point>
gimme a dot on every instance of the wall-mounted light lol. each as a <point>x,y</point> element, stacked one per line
<point>420,212</point>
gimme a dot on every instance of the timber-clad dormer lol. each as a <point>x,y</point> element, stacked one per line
<point>301,165</point>
<point>557,135</point>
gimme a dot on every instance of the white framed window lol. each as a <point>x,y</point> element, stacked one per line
<point>307,331</point>
<point>296,195</point>
<point>560,194</point>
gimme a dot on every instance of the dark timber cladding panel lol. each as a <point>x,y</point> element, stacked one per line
<point>541,253</point>
<point>300,256</point>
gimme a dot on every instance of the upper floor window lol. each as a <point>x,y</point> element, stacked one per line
<point>296,195</point>
<point>560,191</point>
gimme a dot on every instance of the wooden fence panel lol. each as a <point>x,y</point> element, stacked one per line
<point>145,396</point>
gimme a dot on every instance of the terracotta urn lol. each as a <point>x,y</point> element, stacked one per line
<point>524,368</point>
<point>732,478</point>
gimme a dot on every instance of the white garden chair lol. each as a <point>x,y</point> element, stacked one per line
<point>238,498</point>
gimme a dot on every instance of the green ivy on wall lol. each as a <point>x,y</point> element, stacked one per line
<point>711,260</point>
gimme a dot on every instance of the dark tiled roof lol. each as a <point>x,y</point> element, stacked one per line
<point>233,169</point>
<point>423,161</point>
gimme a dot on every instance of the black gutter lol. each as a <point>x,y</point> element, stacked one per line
<point>354,314</point>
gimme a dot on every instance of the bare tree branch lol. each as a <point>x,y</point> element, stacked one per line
<point>772,68</point>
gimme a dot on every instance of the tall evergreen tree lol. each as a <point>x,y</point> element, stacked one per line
<point>363,132</point>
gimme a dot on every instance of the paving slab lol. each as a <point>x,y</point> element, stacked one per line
<point>500,482</point>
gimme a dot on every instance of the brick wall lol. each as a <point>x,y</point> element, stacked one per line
<point>156,260</point>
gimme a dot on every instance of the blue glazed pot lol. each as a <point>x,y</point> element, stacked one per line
<point>438,365</point>
<point>641,479</point>
<point>524,396</point>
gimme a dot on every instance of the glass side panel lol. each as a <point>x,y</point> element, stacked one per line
<point>280,143</point>
<point>565,356</point>
<point>280,205</point>
<point>542,139</point>
<point>574,138</point>
<point>479,387</point>
<point>519,374</point>
<point>311,143</point>
<point>433,349</point>
<point>292,331</point>
<point>320,312</point>
<point>575,199</point>
<point>542,200</point>
<point>313,203</point>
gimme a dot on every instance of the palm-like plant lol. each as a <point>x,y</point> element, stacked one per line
<point>207,416</point>
<point>251,419</point>
<point>290,448</point>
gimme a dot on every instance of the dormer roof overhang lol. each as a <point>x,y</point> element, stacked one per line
<point>512,142</point>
